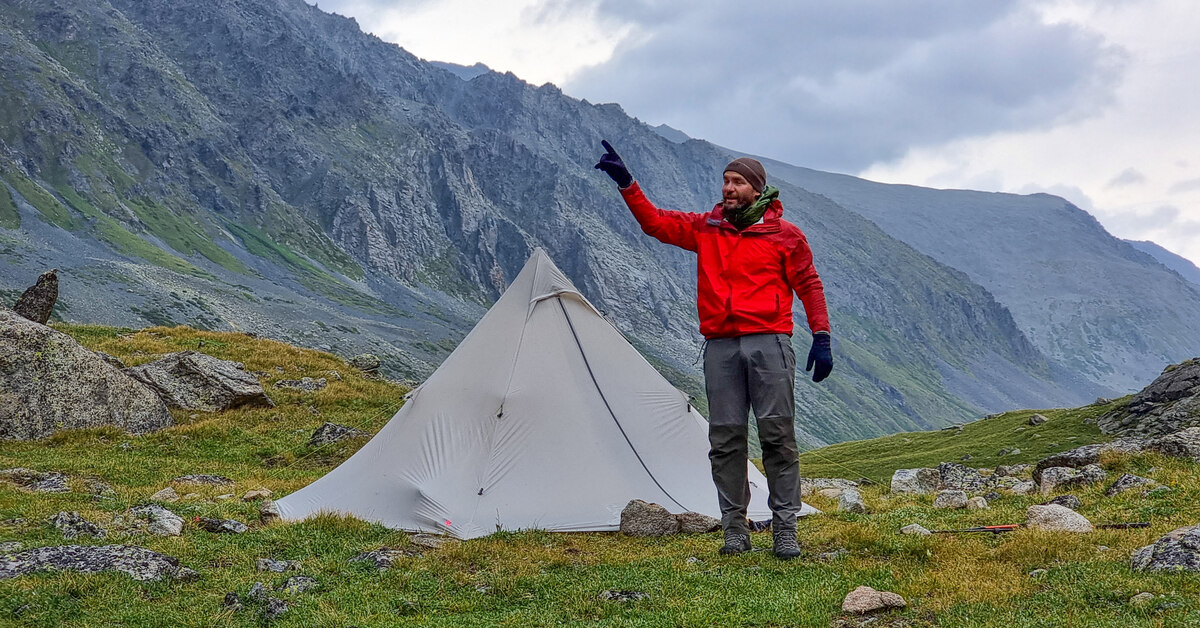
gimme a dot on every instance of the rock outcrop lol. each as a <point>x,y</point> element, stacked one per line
<point>1169,404</point>
<point>139,562</point>
<point>49,382</point>
<point>1178,550</point>
<point>37,302</point>
<point>198,381</point>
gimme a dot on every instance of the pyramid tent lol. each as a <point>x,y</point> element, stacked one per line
<point>544,417</point>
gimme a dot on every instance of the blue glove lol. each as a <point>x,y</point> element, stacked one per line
<point>820,355</point>
<point>612,165</point>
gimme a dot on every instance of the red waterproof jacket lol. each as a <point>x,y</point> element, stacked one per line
<point>745,278</point>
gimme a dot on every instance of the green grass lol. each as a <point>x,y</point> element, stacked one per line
<point>182,233</point>
<point>535,578</point>
<point>51,209</point>
<point>9,217</point>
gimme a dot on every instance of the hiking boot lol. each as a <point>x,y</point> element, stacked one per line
<point>735,543</point>
<point>786,546</point>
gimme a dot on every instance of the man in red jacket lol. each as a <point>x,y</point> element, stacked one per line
<point>749,262</point>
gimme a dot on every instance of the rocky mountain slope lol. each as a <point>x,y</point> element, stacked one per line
<point>267,167</point>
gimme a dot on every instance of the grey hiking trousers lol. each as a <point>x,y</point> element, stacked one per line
<point>754,371</point>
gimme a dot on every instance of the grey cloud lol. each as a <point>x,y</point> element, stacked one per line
<point>1184,186</point>
<point>841,85</point>
<point>1128,176</point>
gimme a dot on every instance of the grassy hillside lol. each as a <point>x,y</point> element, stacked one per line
<point>536,578</point>
<point>982,440</point>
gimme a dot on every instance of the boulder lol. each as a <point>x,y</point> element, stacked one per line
<point>915,481</point>
<point>1037,419</point>
<point>851,501</point>
<point>71,525</point>
<point>159,520</point>
<point>138,562</point>
<point>49,382</point>
<point>1011,470</point>
<point>640,518</point>
<point>1126,482</point>
<point>950,499</point>
<point>1178,550</point>
<point>1055,478</point>
<point>332,433</point>
<point>1056,518</point>
<point>864,600</point>
<point>1085,455</point>
<point>696,523</point>
<point>196,381</point>
<point>37,302</point>
<point>1182,444</point>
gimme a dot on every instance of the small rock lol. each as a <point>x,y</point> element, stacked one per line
<point>1056,518</point>
<point>1016,451</point>
<point>826,557</point>
<point>1126,482</point>
<point>992,496</point>
<point>166,495</point>
<point>1067,501</point>
<point>950,499</point>
<point>224,497</point>
<point>624,596</point>
<point>258,493</point>
<point>640,518</point>
<point>10,547</point>
<point>382,558</point>
<point>1008,470</point>
<point>864,600</point>
<point>366,362</point>
<point>851,501</point>
<point>305,384</point>
<point>232,602</point>
<point>915,528</point>
<point>1141,599</point>
<point>692,560</point>
<point>1037,419</point>
<point>268,512</point>
<point>332,433</point>
<point>186,574</point>
<point>160,521</point>
<point>977,503</point>
<point>966,457</point>
<point>1037,573</point>
<point>97,487</point>
<point>203,478</point>
<point>221,526</point>
<point>277,566</point>
<point>257,592</point>
<point>36,481</point>
<point>696,523</point>
<point>297,584</point>
<point>1023,488</point>
<point>71,525</point>
<point>274,608</point>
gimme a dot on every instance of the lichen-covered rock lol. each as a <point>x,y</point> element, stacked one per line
<point>366,362</point>
<point>139,562</point>
<point>383,558</point>
<point>332,433</point>
<point>207,479</point>
<point>72,524</point>
<point>1037,419</point>
<point>196,381</point>
<point>1055,478</point>
<point>1057,519</point>
<point>298,584</point>
<point>915,481</point>
<point>277,566</point>
<point>977,503</point>
<point>1126,482</point>
<point>268,512</point>
<point>1068,501</point>
<point>1085,455</point>
<point>1011,470</point>
<point>37,302</point>
<point>50,382</point>
<point>959,477</point>
<point>864,600</point>
<point>165,495</point>
<point>640,518</point>
<point>697,523</point>
<point>35,481</point>
<point>221,526</point>
<point>1182,444</point>
<point>1178,550</point>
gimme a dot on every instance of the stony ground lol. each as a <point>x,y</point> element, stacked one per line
<point>1028,577</point>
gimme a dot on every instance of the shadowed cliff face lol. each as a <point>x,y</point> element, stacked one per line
<point>268,167</point>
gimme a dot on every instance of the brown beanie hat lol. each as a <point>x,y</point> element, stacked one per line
<point>751,170</point>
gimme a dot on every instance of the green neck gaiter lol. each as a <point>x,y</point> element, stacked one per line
<point>747,215</point>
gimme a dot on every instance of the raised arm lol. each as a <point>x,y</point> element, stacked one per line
<point>668,226</point>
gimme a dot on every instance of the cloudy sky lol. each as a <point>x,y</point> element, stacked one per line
<point>1093,100</point>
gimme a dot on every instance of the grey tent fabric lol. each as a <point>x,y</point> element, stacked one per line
<point>544,417</point>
